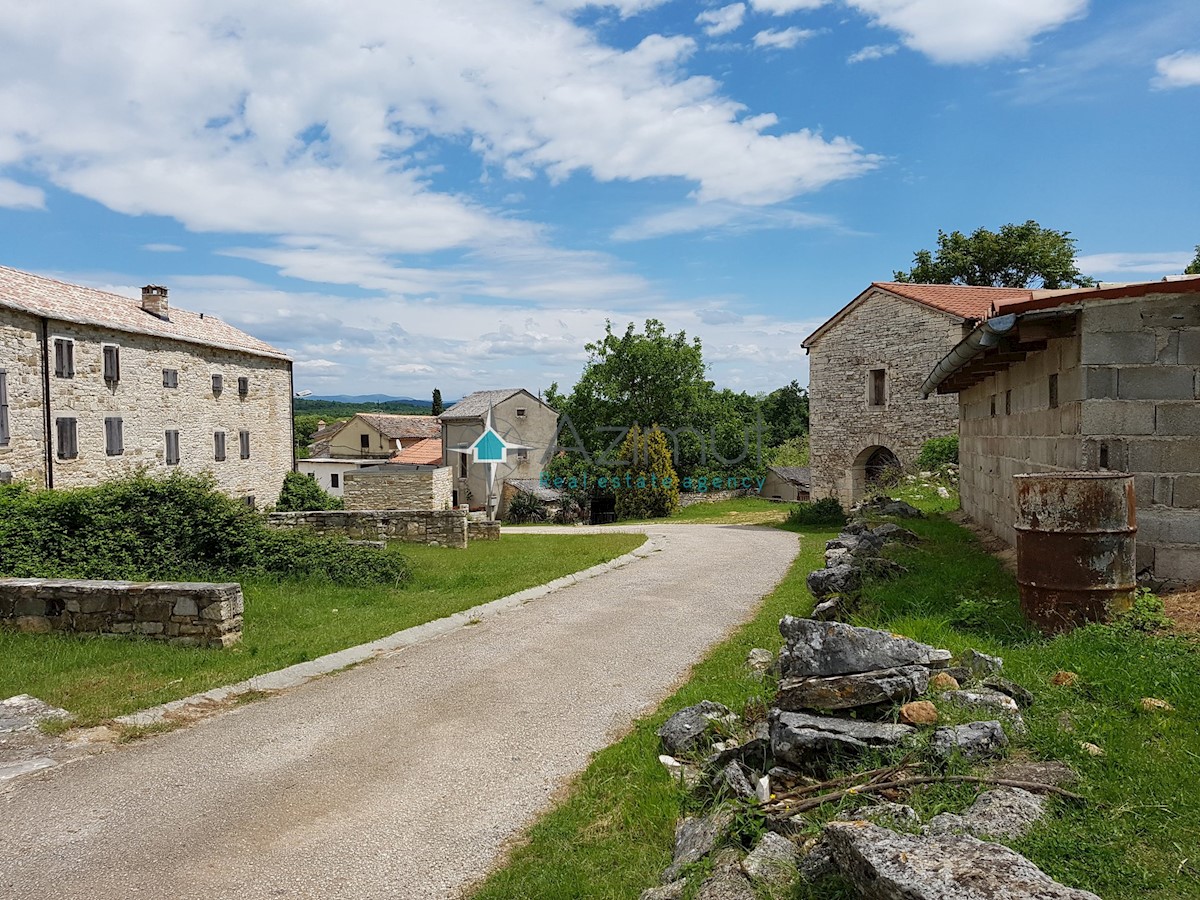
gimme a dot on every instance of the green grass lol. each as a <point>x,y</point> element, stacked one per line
<point>1135,837</point>
<point>739,511</point>
<point>98,678</point>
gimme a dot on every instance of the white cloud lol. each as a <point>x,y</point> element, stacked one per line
<point>783,7</point>
<point>14,195</point>
<point>162,248</point>
<point>784,39</point>
<point>871,52</point>
<point>723,20</point>
<point>953,31</point>
<point>719,216</point>
<point>1178,70</point>
<point>1171,263</point>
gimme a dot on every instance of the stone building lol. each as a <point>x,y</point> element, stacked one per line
<point>866,368</point>
<point>791,483</point>
<point>520,418</point>
<point>94,385</point>
<point>373,436</point>
<point>1086,380</point>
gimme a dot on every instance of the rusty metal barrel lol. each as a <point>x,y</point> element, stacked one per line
<point>1076,542</point>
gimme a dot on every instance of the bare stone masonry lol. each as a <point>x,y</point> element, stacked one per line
<point>192,614</point>
<point>441,528</point>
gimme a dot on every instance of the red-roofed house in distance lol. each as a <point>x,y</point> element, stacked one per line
<point>369,439</point>
<point>866,367</point>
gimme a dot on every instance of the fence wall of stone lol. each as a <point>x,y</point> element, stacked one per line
<point>192,614</point>
<point>691,498</point>
<point>439,528</point>
<point>483,531</point>
<point>394,487</point>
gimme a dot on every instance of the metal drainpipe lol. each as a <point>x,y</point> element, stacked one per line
<point>985,336</point>
<point>46,403</point>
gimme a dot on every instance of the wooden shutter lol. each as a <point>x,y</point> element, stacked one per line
<point>4,435</point>
<point>244,441</point>
<point>112,363</point>
<point>64,358</point>
<point>68,448</point>
<point>219,446</point>
<point>114,436</point>
<point>218,384</point>
<point>243,387</point>
<point>172,438</point>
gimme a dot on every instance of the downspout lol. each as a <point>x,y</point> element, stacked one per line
<point>46,403</point>
<point>985,336</point>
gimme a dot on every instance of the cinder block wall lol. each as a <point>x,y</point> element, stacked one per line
<point>1129,391</point>
<point>384,487</point>
<point>907,340</point>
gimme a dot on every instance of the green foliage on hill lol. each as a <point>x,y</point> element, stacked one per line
<point>180,527</point>
<point>335,409</point>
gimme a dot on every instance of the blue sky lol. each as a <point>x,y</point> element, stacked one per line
<point>409,195</point>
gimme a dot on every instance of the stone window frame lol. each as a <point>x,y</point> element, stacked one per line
<point>244,443</point>
<point>170,378</point>
<point>66,433</point>
<point>64,357</point>
<point>172,455</point>
<point>114,436</point>
<point>110,356</point>
<point>5,435</point>
<point>882,395</point>
<point>219,446</point>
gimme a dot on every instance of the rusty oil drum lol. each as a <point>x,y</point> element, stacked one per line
<point>1076,540</point>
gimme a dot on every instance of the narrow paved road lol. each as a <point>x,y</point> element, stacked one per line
<point>399,779</point>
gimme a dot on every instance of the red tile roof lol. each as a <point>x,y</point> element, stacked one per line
<point>964,301</point>
<point>427,452</point>
<point>64,302</point>
<point>1051,299</point>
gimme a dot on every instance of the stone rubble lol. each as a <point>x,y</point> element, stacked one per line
<point>1005,812</point>
<point>773,862</point>
<point>690,727</point>
<point>974,741</point>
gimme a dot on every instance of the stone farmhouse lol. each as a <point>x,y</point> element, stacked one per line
<point>520,418</point>
<point>867,364</point>
<point>95,385</point>
<point>1093,379</point>
<point>370,439</point>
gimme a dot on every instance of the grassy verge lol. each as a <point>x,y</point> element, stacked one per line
<point>1135,838</point>
<point>287,622</point>
<point>739,511</point>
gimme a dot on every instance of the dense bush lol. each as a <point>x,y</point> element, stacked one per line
<point>649,485</point>
<point>827,511</point>
<point>938,452</point>
<point>525,507</point>
<point>301,493</point>
<point>175,528</point>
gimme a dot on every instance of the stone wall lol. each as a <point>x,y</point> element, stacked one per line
<point>439,528</point>
<point>1128,386</point>
<point>905,339</point>
<point>398,487</point>
<point>147,408</point>
<point>691,498</point>
<point>483,531</point>
<point>187,614</point>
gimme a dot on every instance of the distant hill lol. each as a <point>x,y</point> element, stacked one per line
<point>329,408</point>
<point>372,398</point>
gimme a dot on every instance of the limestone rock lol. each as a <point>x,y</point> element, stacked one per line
<point>695,838</point>
<point>24,713</point>
<point>752,751</point>
<point>733,781</point>
<point>865,544</point>
<point>686,775</point>
<point>1022,697</point>
<point>896,816</point>
<point>820,649</point>
<point>798,738</point>
<point>1153,704</point>
<point>726,884</point>
<point>943,681</point>
<point>893,534</point>
<point>919,712</point>
<point>885,865</point>
<point>1091,749</point>
<point>828,610</point>
<point>851,691</point>
<point>689,728</point>
<point>888,508</point>
<point>773,862</point>
<point>985,699</point>
<point>673,891</point>
<point>981,664</point>
<point>975,741</point>
<point>839,579</point>
<point>817,863</point>
<point>759,659</point>
<point>1050,771</point>
<point>1006,812</point>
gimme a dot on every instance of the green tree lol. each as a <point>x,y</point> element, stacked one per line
<point>301,493</point>
<point>1018,256</point>
<point>303,428</point>
<point>436,408</point>
<point>1194,266</point>
<point>785,414</point>
<point>648,485</point>
<point>792,452</point>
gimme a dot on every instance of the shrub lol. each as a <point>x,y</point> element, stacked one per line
<point>301,493</point>
<point>1147,614</point>
<point>653,485</point>
<point>168,529</point>
<point>938,452</point>
<point>525,507</point>
<point>827,511</point>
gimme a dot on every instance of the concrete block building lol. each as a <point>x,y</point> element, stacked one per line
<point>95,385</point>
<point>1103,379</point>
<point>866,367</point>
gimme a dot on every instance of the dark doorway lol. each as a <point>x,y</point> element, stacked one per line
<point>604,511</point>
<point>881,463</point>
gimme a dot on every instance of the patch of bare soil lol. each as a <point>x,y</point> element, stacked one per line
<point>992,544</point>
<point>1184,610</point>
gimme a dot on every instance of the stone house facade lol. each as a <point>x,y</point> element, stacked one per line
<point>94,385</point>
<point>866,367</point>
<point>1104,379</point>
<point>520,418</point>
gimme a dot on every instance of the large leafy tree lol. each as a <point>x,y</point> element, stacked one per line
<point>1194,266</point>
<point>1020,256</point>
<point>785,413</point>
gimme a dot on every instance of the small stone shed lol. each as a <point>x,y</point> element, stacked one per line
<point>866,367</point>
<point>399,487</point>
<point>787,483</point>
<point>1097,379</point>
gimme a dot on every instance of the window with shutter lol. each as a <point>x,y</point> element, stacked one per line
<point>219,446</point>
<point>114,436</point>
<point>68,446</point>
<point>335,480</point>
<point>170,378</point>
<point>877,387</point>
<point>218,384</point>
<point>4,435</point>
<point>243,387</point>
<point>244,442</point>
<point>172,439</point>
<point>64,358</point>
<point>112,363</point>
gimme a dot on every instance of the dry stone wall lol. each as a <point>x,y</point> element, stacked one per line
<point>906,340</point>
<point>188,614</point>
<point>396,487</point>
<point>439,528</point>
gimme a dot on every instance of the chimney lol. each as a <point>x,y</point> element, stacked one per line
<point>320,424</point>
<point>154,301</point>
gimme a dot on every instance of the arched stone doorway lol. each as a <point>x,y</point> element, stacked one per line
<point>870,466</point>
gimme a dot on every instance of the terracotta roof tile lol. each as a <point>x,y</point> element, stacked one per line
<point>426,452</point>
<point>52,299</point>
<point>965,301</point>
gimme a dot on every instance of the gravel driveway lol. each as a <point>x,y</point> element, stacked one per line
<point>402,778</point>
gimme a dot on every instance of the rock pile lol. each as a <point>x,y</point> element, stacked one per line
<point>857,553</point>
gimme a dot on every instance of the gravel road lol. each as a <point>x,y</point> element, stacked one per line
<point>402,778</point>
